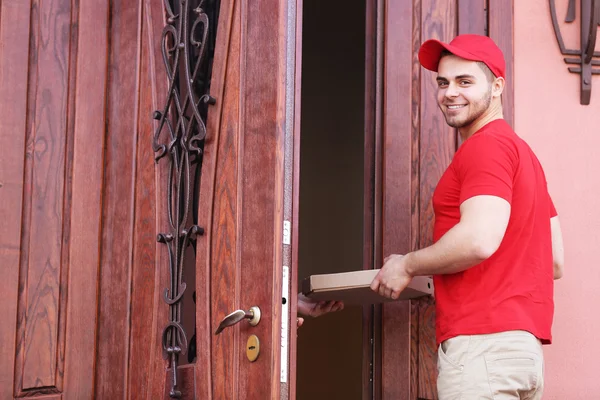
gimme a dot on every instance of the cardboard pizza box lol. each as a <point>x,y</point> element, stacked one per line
<point>354,287</point>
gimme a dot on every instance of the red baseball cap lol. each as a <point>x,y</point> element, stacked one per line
<point>470,47</point>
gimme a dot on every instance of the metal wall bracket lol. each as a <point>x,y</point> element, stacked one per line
<point>585,58</point>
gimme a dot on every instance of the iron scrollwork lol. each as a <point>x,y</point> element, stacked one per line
<point>586,55</point>
<point>187,48</point>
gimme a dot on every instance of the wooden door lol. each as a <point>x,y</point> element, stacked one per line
<point>243,258</point>
<point>84,312</point>
<point>78,198</point>
<point>416,147</point>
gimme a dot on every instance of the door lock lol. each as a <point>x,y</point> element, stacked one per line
<point>252,348</point>
<point>252,315</point>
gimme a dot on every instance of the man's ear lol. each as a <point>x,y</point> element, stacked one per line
<point>498,87</point>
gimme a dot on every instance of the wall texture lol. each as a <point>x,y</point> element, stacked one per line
<point>564,134</point>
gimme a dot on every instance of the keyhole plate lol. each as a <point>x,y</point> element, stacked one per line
<point>252,348</point>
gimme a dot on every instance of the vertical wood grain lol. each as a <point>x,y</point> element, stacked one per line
<point>472,16</point>
<point>416,97</point>
<point>27,198</point>
<point>88,160</point>
<point>415,188</point>
<point>396,357</point>
<point>14,61</point>
<point>437,142</point>
<point>155,20</point>
<point>427,349</point>
<point>118,201</point>
<point>237,205</point>
<point>224,77</point>
<point>472,19</point>
<point>68,196</point>
<point>396,211</point>
<point>415,355</point>
<point>436,149</point>
<point>224,264</point>
<point>46,152</point>
<point>415,209</point>
<point>261,213</point>
<point>501,30</point>
<point>144,233</point>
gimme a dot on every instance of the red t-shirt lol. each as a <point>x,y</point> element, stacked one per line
<point>514,288</point>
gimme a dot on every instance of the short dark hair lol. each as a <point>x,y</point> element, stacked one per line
<point>486,70</point>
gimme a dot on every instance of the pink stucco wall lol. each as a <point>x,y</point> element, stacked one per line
<point>566,137</point>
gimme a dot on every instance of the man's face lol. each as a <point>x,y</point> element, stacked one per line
<point>464,92</point>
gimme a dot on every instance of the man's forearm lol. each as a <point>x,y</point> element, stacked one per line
<point>459,249</point>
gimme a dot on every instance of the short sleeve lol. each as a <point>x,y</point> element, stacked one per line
<point>553,212</point>
<point>486,167</point>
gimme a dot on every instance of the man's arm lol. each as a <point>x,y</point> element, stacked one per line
<point>558,251</point>
<point>483,222</point>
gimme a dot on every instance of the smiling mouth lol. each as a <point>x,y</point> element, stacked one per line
<point>456,107</point>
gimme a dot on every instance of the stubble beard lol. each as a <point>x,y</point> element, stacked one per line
<point>479,108</point>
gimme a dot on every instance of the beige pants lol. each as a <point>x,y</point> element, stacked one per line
<point>506,365</point>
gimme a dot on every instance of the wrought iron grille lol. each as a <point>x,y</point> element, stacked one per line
<point>187,45</point>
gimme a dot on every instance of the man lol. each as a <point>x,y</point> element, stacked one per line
<point>497,240</point>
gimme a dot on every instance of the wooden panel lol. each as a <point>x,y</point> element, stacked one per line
<point>224,86</point>
<point>397,128</point>
<point>27,197</point>
<point>501,17</point>
<point>141,346</point>
<point>224,262</point>
<point>68,197</point>
<point>472,15</point>
<point>396,357</point>
<point>472,18</point>
<point>61,204</point>
<point>41,274</point>
<point>427,349</point>
<point>415,356</point>
<point>415,188</point>
<point>117,205</point>
<point>14,56</point>
<point>154,20</point>
<point>262,190</point>
<point>416,97</point>
<point>436,149</point>
<point>88,160</point>
<point>241,188</point>
<point>396,211</point>
<point>437,141</point>
<point>49,397</point>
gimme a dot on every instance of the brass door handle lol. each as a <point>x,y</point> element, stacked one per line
<point>252,315</point>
